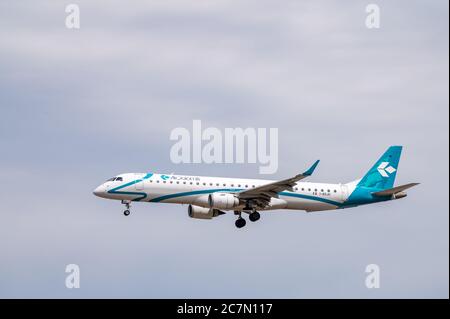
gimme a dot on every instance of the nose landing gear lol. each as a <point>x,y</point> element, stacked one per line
<point>127,204</point>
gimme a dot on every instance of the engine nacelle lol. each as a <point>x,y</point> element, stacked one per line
<point>223,201</point>
<point>203,213</point>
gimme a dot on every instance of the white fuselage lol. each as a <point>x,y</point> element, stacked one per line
<point>194,190</point>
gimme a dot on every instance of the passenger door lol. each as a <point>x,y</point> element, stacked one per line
<point>139,185</point>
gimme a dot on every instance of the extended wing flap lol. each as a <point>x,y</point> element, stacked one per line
<point>394,190</point>
<point>265,192</point>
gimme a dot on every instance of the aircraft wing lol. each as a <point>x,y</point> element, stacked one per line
<point>262,194</point>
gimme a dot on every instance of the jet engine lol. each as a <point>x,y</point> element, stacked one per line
<point>203,213</point>
<point>223,201</point>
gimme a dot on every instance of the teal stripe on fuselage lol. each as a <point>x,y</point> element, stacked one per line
<point>318,199</point>
<point>205,191</point>
<point>210,191</point>
<point>141,195</point>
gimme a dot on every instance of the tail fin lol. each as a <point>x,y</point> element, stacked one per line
<point>382,174</point>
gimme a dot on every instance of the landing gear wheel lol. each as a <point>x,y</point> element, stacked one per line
<point>240,222</point>
<point>254,216</point>
<point>127,204</point>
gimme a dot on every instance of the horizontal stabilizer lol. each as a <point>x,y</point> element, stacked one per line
<point>395,190</point>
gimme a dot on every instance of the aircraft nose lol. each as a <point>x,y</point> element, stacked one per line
<point>99,191</point>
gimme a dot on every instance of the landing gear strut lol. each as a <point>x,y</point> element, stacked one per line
<point>127,204</point>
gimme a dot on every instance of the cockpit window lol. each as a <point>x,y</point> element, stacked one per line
<point>120,179</point>
<point>111,179</point>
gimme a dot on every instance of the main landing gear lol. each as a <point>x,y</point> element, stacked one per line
<point>240,222</point>
<point>127,204</point>
<point>254,216</point>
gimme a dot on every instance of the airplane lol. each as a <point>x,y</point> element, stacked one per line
<point>210,197</point>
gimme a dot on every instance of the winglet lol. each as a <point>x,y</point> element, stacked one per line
<point>311,169</point>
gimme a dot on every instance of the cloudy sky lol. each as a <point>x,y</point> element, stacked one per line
<point>80,106</point>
